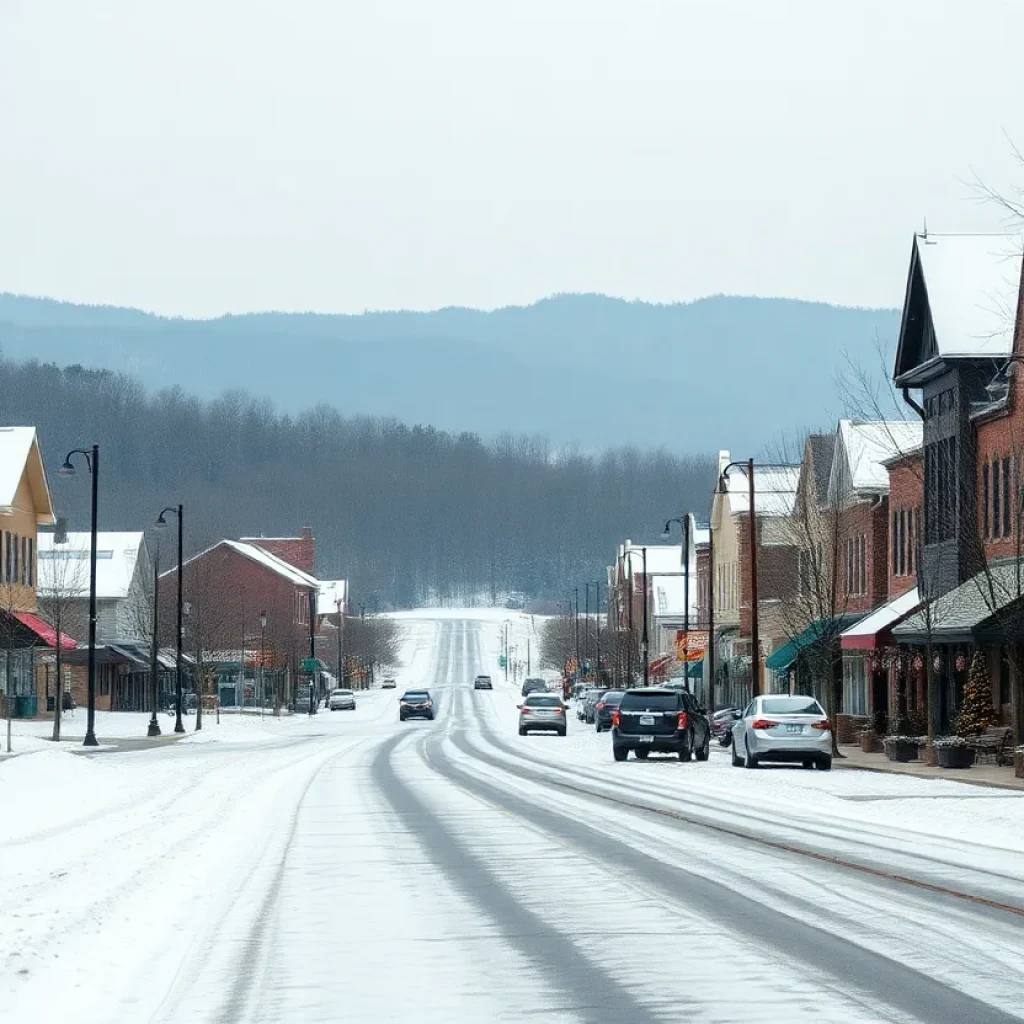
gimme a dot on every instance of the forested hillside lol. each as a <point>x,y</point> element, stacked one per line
<point>716,373</point>
<point>408,513</point>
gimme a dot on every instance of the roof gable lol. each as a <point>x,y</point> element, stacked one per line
<point>117,560</point>
<point>262,557</point>
<point>862,450</point>
<point>961,299</point>
<point>20,458</point>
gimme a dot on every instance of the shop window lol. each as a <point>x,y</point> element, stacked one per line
<point>855,686</point>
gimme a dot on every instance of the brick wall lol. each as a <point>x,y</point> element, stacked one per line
<point>906,490</point>
<point>298,551</point>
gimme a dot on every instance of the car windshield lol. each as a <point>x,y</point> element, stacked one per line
<point>543,702</point>
<point>791,706</point>
<point>416,698</point>
<point>649,701</point>
<point>342,693</point>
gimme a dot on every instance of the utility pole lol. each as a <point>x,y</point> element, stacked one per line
<point>711,618</point>
<point>647,662</point>
<point>528,667</point>
<point>630,656</point>
<point>312,647</point>
<point>586,617</point>
<point>597,667</point>
<point>755,639</point>
<point>576,625</point>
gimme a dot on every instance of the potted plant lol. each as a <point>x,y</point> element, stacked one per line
<point>902,745</point>
<point>975,717</point>
<point>953,752</point>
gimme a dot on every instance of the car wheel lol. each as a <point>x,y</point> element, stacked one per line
<point>561,732</point>
<point>736,762</point>
<point>620,753</point>
<point>705,750</point>
<point>597,727</point>
<point>825,764</point>
<point>686,753</point>
<point>749,759</point>
<point>641,754</point>
<point>807,764</point>
<point>522,731</point>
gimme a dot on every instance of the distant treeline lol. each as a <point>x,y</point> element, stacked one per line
<point>408,514</point>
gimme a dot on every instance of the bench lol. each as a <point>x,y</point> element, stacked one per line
<point>994,746</point>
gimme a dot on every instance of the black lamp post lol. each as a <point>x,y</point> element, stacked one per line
<point>263,660</point>
<point>92,460</point>
<point>161,523</point>
<point>597,610</point>
<point>154,653</point>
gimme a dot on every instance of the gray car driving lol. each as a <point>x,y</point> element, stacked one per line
<point>542,712</point>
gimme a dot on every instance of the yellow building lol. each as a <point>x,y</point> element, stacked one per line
<point>25,505</point>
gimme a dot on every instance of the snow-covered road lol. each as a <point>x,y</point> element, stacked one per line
<point>351,868</point>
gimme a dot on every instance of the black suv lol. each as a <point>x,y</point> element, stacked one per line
<point>482,683</point>
<point>534,685</point>
<point>415,704</point>
<point>665,721</point>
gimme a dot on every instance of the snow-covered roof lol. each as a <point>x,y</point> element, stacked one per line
<point>972,283</point>
<point>661,558</point>
<point>264,558</point>
<point>331,592</point>
<point>863,449</point>
<point>65,567</point>
<point>882,618</point>
<point>19,453</point>
<point>668,596</point>
<point>774,489</point>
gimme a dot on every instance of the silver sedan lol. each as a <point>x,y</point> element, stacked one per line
<point>778,727</point>
<point>342,700</point>
<point>542,711</point>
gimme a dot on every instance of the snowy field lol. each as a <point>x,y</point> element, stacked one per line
<point>346,867</point>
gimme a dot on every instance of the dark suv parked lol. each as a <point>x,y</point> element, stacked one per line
<point>665,721</point>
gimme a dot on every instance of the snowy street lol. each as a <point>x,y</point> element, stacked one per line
<point>348,867</point>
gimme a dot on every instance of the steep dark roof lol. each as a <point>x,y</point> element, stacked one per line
<point>823,448</point>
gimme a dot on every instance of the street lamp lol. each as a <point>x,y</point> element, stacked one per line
<point>154,654</point>
<point>263,660</point>
<point>686,522</point>
<point>92,460</point>
<point>597,610</point>
<point>644,642</point>
<point>161,524</point>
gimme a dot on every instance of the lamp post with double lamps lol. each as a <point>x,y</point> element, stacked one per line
<point>161,524</point>
<point>92,460</point>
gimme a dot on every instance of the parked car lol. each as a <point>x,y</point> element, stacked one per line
<point>581,702</point>
<point>341,700</point>
<point>779,727</point>
<point>534,686</point>
<point>482,683</point>
<point>605,708</point>
<point>542,711</point>
<point>590,703</point>
<point>722,723</point>
<point>660,720</point>
<point>388,684</point>
<point>415,704</point>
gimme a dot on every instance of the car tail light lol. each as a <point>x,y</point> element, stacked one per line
<point>824,726</point>
<point>764,723</point>
<point>526,710</point>
<point>598,707</point>
<point>615,718</point>
<point>559,711</point>
<point>683,720</point>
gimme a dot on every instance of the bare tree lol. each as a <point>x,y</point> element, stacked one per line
<point>63,592</point>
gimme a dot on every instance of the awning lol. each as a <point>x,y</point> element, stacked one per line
<point>44,631</point>
<point>819,631</point>
<point>872,631</point>
<point>695,670</point>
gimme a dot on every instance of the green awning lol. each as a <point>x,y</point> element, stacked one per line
<point>695,670</point>
<point>818,631</point>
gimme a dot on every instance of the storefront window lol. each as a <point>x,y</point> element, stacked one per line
<point>21,666</point>
<point>855,685</point>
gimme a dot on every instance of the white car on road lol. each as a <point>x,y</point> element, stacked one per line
<point>779,727</point>
<point>342,700</point>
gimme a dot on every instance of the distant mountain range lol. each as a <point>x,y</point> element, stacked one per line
<point>724,371</point>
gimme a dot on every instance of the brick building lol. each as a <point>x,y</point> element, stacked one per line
<point>226,588</point>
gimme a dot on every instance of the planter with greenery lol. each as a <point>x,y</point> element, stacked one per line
<point>975,716</point>
<point>953,752</point>
<point>903,744</point>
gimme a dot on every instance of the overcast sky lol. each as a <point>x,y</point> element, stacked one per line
<point>205,156</point>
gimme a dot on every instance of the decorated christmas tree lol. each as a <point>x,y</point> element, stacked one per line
<point>977,713</point>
